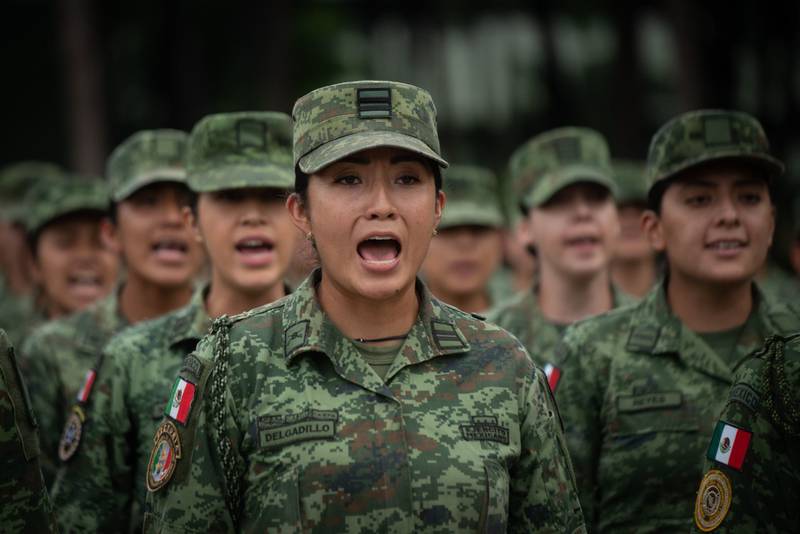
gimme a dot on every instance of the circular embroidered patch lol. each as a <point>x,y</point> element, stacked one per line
<point>713,500</point>
<point>164,456</point>
<point>71,437</point>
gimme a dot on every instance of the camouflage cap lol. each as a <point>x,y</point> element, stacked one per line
<point>145,158</point>
<point>244,149</point>
<point>16,179</point>
<point>336,121</point>
<point>631,181</point>
<point>473,198</point>
<point>56,196</point>
<point>558,158</point>
<point>707,135</point>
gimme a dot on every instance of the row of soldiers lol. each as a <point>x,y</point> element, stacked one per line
<point>639,388</point>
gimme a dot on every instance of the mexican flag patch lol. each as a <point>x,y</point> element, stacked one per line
<point>86,388</point>
<point>553,374</point>
<point>729,445</point>
<point>181,401</point>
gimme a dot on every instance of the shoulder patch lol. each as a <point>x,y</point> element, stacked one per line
<point>192,367</point>
<point>86,388</point>
<point>446,336</point>
<point>744,394</point>
<point>295,336</point>
<point>553,375</point>
<point>713,500</point>
<point>164,456</point>
<point>71,436</point>
<point>181,399</point>
<point>643,338</point>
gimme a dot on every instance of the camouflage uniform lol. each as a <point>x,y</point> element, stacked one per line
<point>541,168</point>
<point>105,476</point>
<point>58,354</point>
<point>287,427</point>
<point>25,504</point>
<point>639,391</point>
<point>752,480</point>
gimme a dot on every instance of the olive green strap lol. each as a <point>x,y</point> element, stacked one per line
<point>779,402</point>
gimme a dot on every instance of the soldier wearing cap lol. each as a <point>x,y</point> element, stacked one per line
<point>566,193</point>
<point>360,403</point>
<point>240,167</point>
<point>633,267</point>
<point>641,387</point>
<point>161,257</point>
<point>467,249</point>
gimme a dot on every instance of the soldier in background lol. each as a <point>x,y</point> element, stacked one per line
<point>240,167</point>
<point>566,193</point>
<point>161,257</point>
<point>633,268</point>
<point>641,387</point>
<point>467,250</point>
<point>24,504</point>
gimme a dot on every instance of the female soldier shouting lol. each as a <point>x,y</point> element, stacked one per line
<point>359,402</point>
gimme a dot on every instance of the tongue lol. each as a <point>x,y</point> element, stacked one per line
<point>378,250</point>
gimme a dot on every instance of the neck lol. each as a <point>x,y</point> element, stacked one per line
<point>709,308</point>
<point>475,302</point>
<point>635,277</point>
<point>141,300</point>
<point>225,300</point>
<point>522,280</point>
<point>565,299</point>
<point>358,317</point>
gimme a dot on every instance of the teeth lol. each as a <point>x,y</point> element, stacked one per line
<point>381,238</point>
<point>726,245</point>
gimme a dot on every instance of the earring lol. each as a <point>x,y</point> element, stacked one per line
<point>435,232</point>
<point>309,236</point>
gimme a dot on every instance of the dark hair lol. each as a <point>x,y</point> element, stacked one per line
<point>32,238</point>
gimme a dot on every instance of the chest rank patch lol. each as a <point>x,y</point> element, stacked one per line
<point>713,500</point>
<point>164,456</point>
<point>729,445</point>
<point>485,428</point>
<point>278,430</point>
<point>71,436</point>
<point>553,375</point>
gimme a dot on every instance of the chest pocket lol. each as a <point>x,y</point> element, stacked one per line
<point>641,413</point>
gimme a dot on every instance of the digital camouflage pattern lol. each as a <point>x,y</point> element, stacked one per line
<point>707,135</point>
<point>473,198</point>
<point>778,283</point>
<point>55,357</point>
<point>558,158</point>
<point>144,158</point>
<point>25,504</point>
<point>640,395</point>
<point>237,150</point>
<point>15,180</point>
<point>765,401</point>
<point>101,488</point>
<point>295,431</point>
<point>54,197</point>
<point>339,120</point>
<point>631,181</point>
<point>18,315</point>
<point>522,316</point>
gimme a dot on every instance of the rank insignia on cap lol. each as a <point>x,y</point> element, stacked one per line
<point>251,133</point>
<point>553,375</point>
<point>164,457</point>
<point>713,500</point>
<point>717,131</point>
<point>729,445</point>
<point>86,388</point>
<point>71,437</point>
<point>375,103</point>
<point>181,399</point>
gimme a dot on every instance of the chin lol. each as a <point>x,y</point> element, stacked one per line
<point>383,288</point>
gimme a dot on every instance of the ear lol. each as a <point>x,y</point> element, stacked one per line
<point>441,200</point>
<point>109,235</point>
<point>191,221</point>
<point>299,213</point>
<point>525,232</point>
<point>653,230</point>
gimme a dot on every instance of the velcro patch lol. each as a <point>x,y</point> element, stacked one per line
<point>649,401</point>
<point>643,338</point>
<point>744,394</point>
<point>446,336</point>
<point>485,428</point>
<point>270,431</point>
<point>375,103</point>
<point>295,336</point>
<point>717,131</point>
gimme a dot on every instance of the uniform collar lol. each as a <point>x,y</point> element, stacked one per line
<point>190,323</point>
<point>102,319</point>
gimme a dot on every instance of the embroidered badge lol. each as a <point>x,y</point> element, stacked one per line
<point>279,430</point>
<point>729,445</point>
<point>713,500</point>
<point>553,375</point>
<point>164,457</point>
<point>649,401</point>
<point>744,394</point>
<point>485,428</point>
<point>86,388</point>
<point>181,399</point>
<point>71,437</point>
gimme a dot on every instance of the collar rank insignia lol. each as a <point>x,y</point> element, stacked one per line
<point>181,399</point>
<point>71,437</point>
<point>713,500</point>
<point>164,456</point>
<point>553,375</point>
<point>86,388</point>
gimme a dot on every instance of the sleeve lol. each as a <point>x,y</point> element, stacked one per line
<point>580,395</point>
<point>543,493</point>
<point>190,494</point>
<point>94,489</point>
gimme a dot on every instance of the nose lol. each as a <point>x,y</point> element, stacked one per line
<point>253,213</point>
<point>172,211</point>
<point>728,214</point>
<point>380,201</point>
<point>581,207</point>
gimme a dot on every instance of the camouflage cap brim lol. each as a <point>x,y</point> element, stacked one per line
<point>35,223</point>
<point>469,214</point>
<point>242,176</point>
<point>773,166</point>
<point>553,182</point>
<point>348,145</point>
<point>163,175</point>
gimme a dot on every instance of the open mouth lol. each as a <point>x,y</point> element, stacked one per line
<point>726,244</point>
<point>254,246</point>
<point>170,245</point>
<point>582,241</point>
<point>85,285</point>
<point>379,249</point>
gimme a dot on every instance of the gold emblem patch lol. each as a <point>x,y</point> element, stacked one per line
<point>71,437</point>
<point>164,457</point>
<point>713,500</point>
